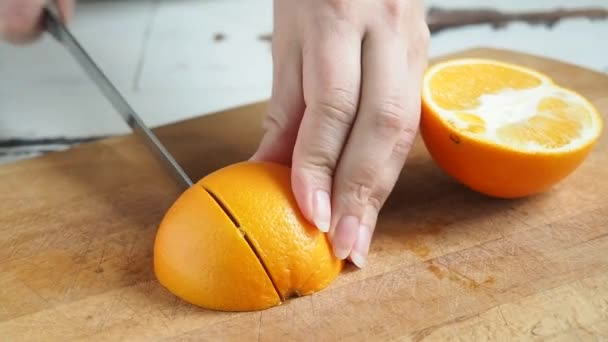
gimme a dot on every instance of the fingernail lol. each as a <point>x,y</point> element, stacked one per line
<point>361,247</point>
<point>322,210</point>
<point>345,236</point>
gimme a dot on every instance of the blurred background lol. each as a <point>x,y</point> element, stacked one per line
<point>178,59</point>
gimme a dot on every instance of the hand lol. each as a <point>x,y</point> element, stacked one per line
<point>20,19</point>
<point>345,108</point>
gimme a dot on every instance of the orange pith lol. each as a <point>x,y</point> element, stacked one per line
<point>502,129</point>
<point>236,241</point>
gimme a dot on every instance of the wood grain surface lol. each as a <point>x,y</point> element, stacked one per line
<point>77,230</point>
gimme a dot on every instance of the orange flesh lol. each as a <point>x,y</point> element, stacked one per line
<point>459,87</point>
<point>557,124</point>
<point>498,155</point>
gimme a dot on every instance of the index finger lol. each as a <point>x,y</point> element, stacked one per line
<point>331,82</point>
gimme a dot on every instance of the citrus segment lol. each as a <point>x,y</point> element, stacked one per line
<point>503,129</point>
<point>557,124</point>
<point>201,257</point>
<point>297,255</point>
<point>469,123</point>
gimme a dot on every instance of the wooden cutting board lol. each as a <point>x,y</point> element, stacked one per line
<point>77,230</point>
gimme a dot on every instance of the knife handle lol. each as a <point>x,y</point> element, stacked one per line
<point>50,21</point>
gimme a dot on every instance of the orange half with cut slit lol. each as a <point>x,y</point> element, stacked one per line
<point>503,129</point>
<point>237,241</point>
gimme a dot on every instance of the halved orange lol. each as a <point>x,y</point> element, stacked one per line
<point>236,241</point>
<point>503,129</point>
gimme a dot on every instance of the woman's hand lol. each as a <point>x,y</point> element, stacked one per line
<point>345,108</point>
<point>20,19</point>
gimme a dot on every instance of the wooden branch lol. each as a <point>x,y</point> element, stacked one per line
<point>440,19</point>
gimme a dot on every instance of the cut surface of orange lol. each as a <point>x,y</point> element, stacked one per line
<point>503,129</point>
<point>236,241</point>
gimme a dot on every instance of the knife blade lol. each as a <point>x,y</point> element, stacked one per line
<point>62,35</point>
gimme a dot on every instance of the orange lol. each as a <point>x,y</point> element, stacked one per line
<point>236,241</point>
<point>503,129</point>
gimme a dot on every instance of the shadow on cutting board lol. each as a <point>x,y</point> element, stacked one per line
<point>424,199</point>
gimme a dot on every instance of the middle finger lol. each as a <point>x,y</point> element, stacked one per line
<point>379,124</point>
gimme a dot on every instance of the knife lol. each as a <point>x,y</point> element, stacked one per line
<point>56,29</point>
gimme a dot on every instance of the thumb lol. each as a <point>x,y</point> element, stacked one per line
<point>19,20</point>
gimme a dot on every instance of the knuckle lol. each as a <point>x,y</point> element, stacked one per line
<point>321,163</point>
<point>358,191</point>
<point>339,6</point>
<point>395,8</point>
<point>383,189</point>
<point>403,145</point>
<point>381,194</point>
<point>376,200</point>
<point>273,122</point>
<point>338,105</point>
<point>406,15</point>
<point>390,117</point>
<point>411,128</point>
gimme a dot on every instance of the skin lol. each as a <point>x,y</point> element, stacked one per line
<point>20,19</point>
<point>345,104</point>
